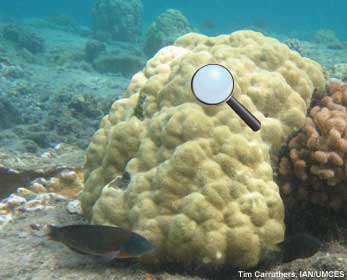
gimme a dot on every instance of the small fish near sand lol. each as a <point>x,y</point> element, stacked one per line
<point>299,246</point>
<point>101,240</point>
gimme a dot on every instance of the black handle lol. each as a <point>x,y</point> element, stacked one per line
<point>244,114</point>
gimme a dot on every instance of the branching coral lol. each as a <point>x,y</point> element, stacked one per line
<point>317,155</point>
<point>295,45</point>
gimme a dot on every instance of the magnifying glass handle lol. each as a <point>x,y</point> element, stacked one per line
<point>244,114</point>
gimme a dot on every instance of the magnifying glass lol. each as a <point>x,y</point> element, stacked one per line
<point>213,84</point>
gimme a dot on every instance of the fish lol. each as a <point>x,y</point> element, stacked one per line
<point>209,24</point>
<point>299,246</point>
<point>260,23</point>
<point>101,240</point>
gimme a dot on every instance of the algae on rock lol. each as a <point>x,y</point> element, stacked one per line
<point>23,38</point>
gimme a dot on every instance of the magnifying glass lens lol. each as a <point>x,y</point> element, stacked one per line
<point>212,84</point>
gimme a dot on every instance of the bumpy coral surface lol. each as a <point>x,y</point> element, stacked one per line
<point>118,19</point>
<point>165,30</point>
<point>192,178</point>
<point>317,154</point>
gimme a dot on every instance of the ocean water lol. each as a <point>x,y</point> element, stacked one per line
<point>281,16</point>
<point>61,71</point>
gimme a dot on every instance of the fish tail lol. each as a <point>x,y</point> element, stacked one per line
<point>53,233</point>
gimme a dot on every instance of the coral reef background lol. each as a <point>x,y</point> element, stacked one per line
<point>63,65</point>
<point>291,17</point>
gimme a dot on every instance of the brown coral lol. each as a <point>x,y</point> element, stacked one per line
<point>317,156</point>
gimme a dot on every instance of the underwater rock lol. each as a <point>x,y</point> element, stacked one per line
<point>9,116</point>
<point>65,57</point>
<point>125,64</point>
<point>11,72</point>
<point>314,166</point>
<point>18,169</point>
<point>117,20</point>
<point>192,178</point>
<point>327,37</point>
<point>12,141</point>
<point>337,46</point>
<point>74,118</point>
<point>85,106</point>
<point>74,207</point>
<point>165,30</point>
<point>32,137</point>
<point>340,71</point>
<point>40,121</point>
<point>40,196</point>
<point>93,48</point>
<point>23,38</point>
<point>28,138</point>
<point>41,138</point>
<point>66,23</point>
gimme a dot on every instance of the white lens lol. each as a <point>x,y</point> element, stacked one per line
<point>212,84</point>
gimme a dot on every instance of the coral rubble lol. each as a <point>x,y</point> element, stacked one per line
<point>38,195</point>
<point>9,114</point>
<point>18,169</point>
<point>23,38</point>
<point>93,48</point>
<point>126,64</point>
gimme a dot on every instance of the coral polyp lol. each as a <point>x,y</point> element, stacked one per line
<point>317,154</point>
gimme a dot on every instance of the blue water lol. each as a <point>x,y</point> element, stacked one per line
<point>295,17</point>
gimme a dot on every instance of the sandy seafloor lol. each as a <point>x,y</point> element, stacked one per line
<point>27,255</point>
<point>42,93</point>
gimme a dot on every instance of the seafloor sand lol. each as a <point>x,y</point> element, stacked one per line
<point>25,254</point>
